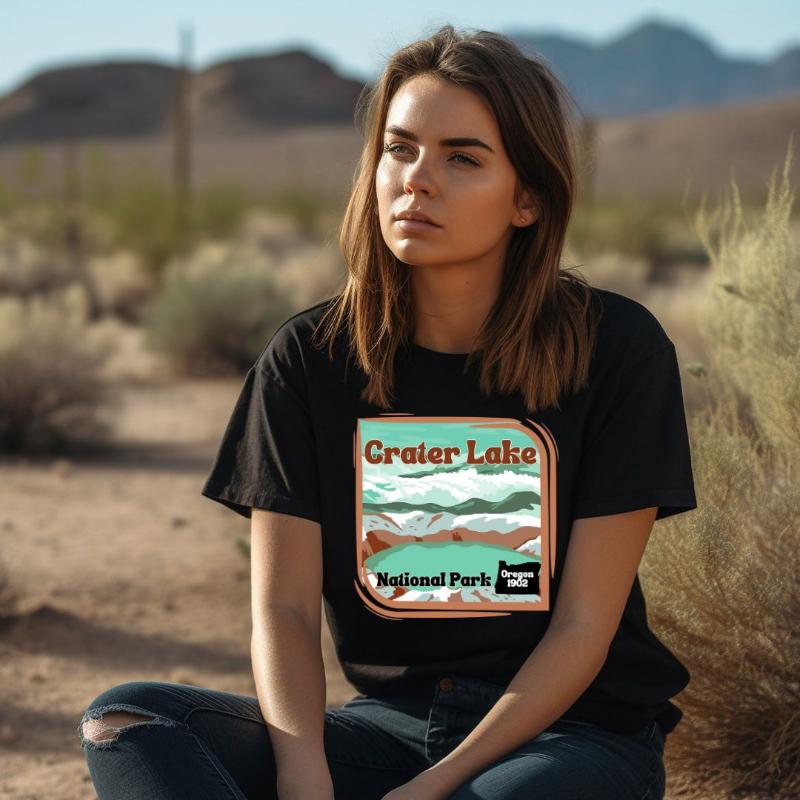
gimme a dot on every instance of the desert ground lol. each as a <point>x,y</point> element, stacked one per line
<point>123,572</point>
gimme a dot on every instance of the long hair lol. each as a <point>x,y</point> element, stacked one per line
<point>539,336</point>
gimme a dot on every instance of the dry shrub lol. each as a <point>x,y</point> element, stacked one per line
<point>221,302</point>
<point>310,274</point>
<point>122,283</point>
<point>725,592</point>
<point>303,267</point>
<point>217,308</point>
<point>51,372</point>
<point>27,268</point>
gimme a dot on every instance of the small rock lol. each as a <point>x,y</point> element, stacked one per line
<point>62,467</point>
<point>7,735</point>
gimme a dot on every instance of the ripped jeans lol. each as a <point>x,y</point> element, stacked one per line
<point>205,744</point>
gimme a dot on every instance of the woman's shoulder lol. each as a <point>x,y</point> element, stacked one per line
<point>628,330</point>
<point>289,346</point>
<point>303,322</point>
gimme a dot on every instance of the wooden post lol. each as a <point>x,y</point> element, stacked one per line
<point>182,138</point>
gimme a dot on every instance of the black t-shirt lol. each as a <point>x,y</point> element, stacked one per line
<point>445,519</point>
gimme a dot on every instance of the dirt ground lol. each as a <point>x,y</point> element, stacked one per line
<point>124,571</point>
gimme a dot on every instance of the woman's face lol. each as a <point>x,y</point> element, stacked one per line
<point>466,188</point>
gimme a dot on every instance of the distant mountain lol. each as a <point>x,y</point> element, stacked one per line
<point>105,99</point>
<point>653,67</point>
<point>132,99</point>
<point>657,67</point>
<point>287,89</point>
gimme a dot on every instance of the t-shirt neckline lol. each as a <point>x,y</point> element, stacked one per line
<point>437,358</point>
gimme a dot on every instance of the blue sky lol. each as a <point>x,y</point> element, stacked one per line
<point>356,36</point>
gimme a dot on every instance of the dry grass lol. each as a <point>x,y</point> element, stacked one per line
<point>723,579</point>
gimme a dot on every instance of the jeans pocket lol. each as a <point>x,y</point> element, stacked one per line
<point>650,735</point>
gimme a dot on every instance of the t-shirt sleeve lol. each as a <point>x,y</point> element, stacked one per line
<point>639,454</point>
<point>267,456</point>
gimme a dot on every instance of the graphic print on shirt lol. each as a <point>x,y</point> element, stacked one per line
<point>455,516</point>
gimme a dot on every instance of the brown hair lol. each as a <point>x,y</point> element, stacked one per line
<point>540,334</point>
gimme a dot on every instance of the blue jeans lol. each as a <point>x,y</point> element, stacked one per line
<point>204,744</point>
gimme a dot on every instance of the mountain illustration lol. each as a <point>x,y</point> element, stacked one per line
<point>516,501</point>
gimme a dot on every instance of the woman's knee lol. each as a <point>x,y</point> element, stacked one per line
<point>119,708</point>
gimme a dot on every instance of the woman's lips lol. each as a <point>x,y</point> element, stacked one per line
<point>413,225</point>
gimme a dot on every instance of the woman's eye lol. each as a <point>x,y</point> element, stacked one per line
<point>391,148</point>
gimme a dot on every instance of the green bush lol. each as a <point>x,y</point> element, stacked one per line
<point>624,225</point>
<point>215,323</point>
<point>219,209</point>
<point>141,216</point>
<point>305,208</point>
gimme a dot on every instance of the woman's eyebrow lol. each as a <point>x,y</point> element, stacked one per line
<point>459,141</point>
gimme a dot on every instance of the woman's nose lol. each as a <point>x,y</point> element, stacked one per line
<point>418,178</point>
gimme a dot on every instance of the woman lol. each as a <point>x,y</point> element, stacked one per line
<point>463,452</point>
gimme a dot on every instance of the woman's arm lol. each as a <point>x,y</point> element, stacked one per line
<point>286,570</point>
<point>602,559</point>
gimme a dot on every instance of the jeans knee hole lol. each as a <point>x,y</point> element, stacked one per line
<point>96,733</point>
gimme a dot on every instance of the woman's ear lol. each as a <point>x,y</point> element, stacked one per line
<point>526,215</point>
<point>527,211</point>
